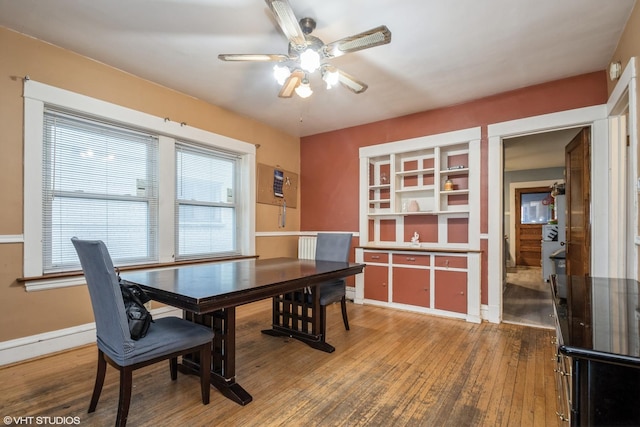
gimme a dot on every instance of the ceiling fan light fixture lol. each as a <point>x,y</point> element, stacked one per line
<point>281,74</point>
<point>331,77</point>
<point>304,89</point>
<point>310,60</point>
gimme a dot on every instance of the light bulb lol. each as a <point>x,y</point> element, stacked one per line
<point>281,74</point>
<point>331,78</point>
<point>309,60</point>
<point>304,90</point>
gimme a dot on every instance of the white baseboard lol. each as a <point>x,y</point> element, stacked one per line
<point>351,293</point>
<point>33,346</point>
<point>490,313</point>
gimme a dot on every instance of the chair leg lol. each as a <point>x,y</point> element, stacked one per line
<point>126,379</point>
<point>173,368</point>
<point>343,304</point>
<point>205,373</point>
<point>97,388</point>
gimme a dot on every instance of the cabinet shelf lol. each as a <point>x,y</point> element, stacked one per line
<point>380,187</point>
<point>452,192</point>
<point>402,214</point>
<point>416,189</point>
<point>461,171</point>
<point>427,171</point>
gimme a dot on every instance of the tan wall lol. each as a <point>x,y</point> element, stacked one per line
<point>629,44</point>
<point>27,313</point>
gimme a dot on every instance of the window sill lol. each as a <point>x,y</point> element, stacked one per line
<point>76,278</point>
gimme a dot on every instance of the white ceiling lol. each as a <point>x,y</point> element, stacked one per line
<point>441,52</point>
<point>537,151</point>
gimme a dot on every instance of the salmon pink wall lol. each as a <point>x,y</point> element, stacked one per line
<point>329,161</point>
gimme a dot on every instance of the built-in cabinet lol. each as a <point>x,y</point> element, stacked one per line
<point>421,280</point>
<point>426,188</point>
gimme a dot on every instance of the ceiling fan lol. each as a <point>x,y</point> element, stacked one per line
<point>308,53</point>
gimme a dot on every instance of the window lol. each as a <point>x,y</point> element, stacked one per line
<point>99,182</point>
<point>98,170</point>
<point>535,208</point>
<point>205,207</point>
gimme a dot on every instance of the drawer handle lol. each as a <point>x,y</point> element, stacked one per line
<point>375,256</point>
<point>410,259</point>
<point>446,263</point>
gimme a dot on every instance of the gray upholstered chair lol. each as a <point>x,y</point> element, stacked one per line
<point>167,338</point>
<point>333,247</point>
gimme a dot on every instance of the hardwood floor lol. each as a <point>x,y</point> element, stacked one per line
<point>527,298</point>
<point>393,368</point>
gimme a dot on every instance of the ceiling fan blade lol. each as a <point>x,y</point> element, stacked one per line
<point>374,37</point>
<point>288,22</point>
<point>291,84</point>
<point>351,83</point>
<point>257,57</point>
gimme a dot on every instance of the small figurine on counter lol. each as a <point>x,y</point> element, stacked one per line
<point>415,240</point>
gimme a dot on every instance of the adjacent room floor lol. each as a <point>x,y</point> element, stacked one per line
<point>527,298</point>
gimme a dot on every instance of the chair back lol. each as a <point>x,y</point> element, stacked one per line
<point>106,298</point>
<point>333,247</point>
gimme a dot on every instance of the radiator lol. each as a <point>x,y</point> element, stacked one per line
<point>307,247</point>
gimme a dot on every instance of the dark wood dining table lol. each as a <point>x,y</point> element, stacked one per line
<point>209,293</point>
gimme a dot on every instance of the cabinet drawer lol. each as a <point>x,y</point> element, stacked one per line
<point>412,259</point>
<point>381,257</point>
<point>451,261</point>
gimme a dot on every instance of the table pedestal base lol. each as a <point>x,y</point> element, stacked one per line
<point>228,387</point>
<point>298,315</point>
<point>223,356</point>
<point>312,341</point>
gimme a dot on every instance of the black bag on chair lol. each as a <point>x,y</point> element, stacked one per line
<point>137,314</point>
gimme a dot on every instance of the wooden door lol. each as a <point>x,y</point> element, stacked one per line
<point>578,185</point>
<point>529,234</point>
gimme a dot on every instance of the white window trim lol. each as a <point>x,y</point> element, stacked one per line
<point>37,95</point>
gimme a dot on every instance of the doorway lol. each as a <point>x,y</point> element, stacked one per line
<point>532,165</point>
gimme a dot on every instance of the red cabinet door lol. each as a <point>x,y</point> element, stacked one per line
<point>451,290</point>
<point>411,286</point>
<point>376,283</point>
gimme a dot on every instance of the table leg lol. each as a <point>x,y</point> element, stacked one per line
<point>223,356</point>
<point>298,315</point>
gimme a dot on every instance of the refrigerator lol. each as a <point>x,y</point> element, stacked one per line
<point>553,237</point>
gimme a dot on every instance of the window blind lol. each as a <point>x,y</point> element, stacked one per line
<point>205,202</point>
<point>99,182</point>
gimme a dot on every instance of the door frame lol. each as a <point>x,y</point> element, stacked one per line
<point>596,118</point>
<point>512,207</point>
<point>622,110</point>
